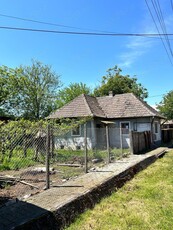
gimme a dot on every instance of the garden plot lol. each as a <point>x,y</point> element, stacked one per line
<point>27,182</point>
<point>27,177</point>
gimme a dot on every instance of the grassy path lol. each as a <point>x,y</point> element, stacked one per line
<point>146,202</point>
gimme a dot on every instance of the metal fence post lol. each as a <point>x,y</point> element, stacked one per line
<point>86,150</point>
<point>47,157</point>
<point>121,139</point>
<point>131,142</point>
<point>107,142</point>
<point>24,144</point>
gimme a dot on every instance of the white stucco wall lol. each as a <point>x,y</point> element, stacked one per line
<point>96,134</point>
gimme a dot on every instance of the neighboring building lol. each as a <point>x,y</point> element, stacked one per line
<point>167,131</point>
<point>122,113</point>
<point>167,124</point>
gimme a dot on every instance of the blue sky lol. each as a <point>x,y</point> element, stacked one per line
<point>85,59</point>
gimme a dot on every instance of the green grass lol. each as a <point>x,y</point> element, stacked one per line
<point>146,202</point>
<point>17,161</point>
<point>64,155</point>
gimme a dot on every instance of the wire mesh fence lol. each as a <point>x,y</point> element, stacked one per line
<point>38,158</point>
<point>22,160</point>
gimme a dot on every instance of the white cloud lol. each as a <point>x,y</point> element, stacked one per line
<point>129,57</point>
<point>136,47</point>
<point>169,23</point>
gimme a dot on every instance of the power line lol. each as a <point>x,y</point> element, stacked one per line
<point>158,11</point>
<point>160,35</point>
<point>50,23</point>
<point>61,25</point>
<point>158,28</point>
<point>154,35</point>
<point>171,4</point>
<point>54,24</point>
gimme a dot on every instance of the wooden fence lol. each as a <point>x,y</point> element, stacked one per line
<point>167,135</point>
<point>140,141</point>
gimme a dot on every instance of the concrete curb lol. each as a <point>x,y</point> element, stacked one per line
<point>31,215</point>
<point>66,214</point>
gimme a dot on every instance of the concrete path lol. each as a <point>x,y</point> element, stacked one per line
<point>58,206</point>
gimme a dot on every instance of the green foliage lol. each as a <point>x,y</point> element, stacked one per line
<point>28,91</point>
<point>119,84</point>
<point>6,75</point>
<point>8,88</point>
<point>17,136</point>
<point>37,93</point>
<point>17,143</point>
<point>17,161</point>
<point>68,155</point>
<point>166,106</point>
<point>67,94</point>
<point>31,92</point>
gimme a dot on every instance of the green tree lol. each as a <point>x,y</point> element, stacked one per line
<point>37,89</point>
<point>72,91</point>
<point>117,83</point>
<point>8,88</point>
<point>166,105</point>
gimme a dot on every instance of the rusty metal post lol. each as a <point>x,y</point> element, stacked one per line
<point>86,149</point>
<point>121,139</point>
<point>131,142</point>
<point>47,157</point>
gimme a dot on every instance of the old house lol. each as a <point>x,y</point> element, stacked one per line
<point>122,113</point>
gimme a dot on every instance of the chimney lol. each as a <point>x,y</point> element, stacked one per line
<point>110,93</point>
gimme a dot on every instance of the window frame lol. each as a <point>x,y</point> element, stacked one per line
<point>78,134</point>
<point>156,127</point>
<point>124,122</point>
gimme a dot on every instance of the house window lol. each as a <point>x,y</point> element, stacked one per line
<point>125,127</point>
<point>99,126</point>
<point>76,131</point>
<point>156,127</point>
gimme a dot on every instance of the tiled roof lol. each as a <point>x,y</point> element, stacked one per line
<point>126,105</point>
<point>81,106</point>
<point>118,106</point>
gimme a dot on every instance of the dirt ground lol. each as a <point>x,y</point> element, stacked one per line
<point>23,183</point>
<point>12,189</point>
<point>31,181</point>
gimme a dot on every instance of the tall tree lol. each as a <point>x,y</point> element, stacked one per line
<point>117,83</point>
<point>69,93</point>
<point>37,89</point>
<point>166,105</point>
<point>8,88</point>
